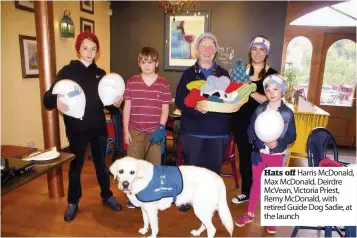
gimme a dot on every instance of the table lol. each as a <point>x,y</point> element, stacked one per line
<point>40,169</point>
<point>304,123</point>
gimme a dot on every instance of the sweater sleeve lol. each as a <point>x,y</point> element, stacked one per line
<point>181,93</point>
<point>290,136</point>
<point>49,99</point>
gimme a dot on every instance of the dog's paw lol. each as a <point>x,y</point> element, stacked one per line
<point>195,232</point>
<point>143,231</point>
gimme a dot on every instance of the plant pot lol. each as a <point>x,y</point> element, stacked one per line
<point>289,95</point>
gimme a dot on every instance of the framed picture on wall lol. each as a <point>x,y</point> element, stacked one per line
<point>87,6</point>
<point>25,5</point>
<point>181,33</point>
<point>87,25</point>
<point>28,53</point>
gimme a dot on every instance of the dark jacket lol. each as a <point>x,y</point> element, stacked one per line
<point>93,122</point>
<point>287,136</point>
<point>193,121</point>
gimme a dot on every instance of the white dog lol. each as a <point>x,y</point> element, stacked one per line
<point>202,188</point>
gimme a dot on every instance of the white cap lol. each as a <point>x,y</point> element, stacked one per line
<point>275,79</point>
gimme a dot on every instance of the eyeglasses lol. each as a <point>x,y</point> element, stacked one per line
<point>208,49</point>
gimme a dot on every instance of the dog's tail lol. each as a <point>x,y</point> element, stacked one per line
<point>223,210</point>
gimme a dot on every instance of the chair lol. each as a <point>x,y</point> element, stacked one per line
<point>229,158</point>
<point>110,139</point>
<point>317,144</point>
<point>111,136</point>
<point>120,149</point>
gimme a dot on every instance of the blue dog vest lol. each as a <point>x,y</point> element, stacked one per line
<point>166,182</point>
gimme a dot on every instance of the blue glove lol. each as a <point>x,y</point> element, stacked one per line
<point>158,135</point>
<point>239,72</point>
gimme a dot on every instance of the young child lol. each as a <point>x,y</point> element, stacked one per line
<point>268,154</point>
<point>147,97</point>
<point>91,129</point>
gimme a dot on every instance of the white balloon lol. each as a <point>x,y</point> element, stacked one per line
<point>110,86</point>
<point>74,97</point>
<point>269,126</point>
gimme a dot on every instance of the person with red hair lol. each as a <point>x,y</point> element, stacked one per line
<point>91,129</point>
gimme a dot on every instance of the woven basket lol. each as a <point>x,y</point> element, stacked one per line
<point>221,107</point>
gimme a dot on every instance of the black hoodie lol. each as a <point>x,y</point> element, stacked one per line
<point>93,122</point>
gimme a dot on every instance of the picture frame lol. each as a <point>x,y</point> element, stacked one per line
<point>28,54</point>
<point>87,25</point>
<point>181,33</point>
<point>87,6</point>
<point>25,5</point>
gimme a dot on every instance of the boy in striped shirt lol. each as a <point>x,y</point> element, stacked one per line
<point>147,97</point>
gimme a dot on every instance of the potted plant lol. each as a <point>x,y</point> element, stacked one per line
<point>290,76</point>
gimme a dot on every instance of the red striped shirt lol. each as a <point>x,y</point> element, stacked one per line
<point>146,102</point>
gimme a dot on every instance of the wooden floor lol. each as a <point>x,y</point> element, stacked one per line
<point>29,212</point>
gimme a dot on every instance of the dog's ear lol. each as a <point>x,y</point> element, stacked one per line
<point>114,169</point>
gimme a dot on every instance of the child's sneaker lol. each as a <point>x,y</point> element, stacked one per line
<point>271,229</point>
<point>244,220</point>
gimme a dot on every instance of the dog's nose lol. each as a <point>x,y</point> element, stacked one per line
<point>125,184</point>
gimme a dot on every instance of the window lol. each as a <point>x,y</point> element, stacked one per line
<point>340,14</point>
<point>339,75</point>
<point>298,60</point>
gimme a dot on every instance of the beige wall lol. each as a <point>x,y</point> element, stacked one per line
<point>21,120</point>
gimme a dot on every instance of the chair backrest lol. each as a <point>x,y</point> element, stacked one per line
<point>110,129</point>
<point>317,143</point>
<point>118,126</point>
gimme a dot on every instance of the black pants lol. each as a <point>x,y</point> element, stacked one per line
<point>245,164</point>
<point>240,123</point>
<point>207,153</point>
<point>78,146</point>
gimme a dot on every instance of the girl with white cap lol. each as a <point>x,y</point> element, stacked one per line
<point>259,49</point>
<point>268,154</point>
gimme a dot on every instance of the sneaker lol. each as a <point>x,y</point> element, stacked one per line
<point>244,220</point>
<point>271,229</point>
<point>112,203</point>
<point>240,198</point>
<point>130,205</point>
<point>71,212</point>
<point>185,207</point>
